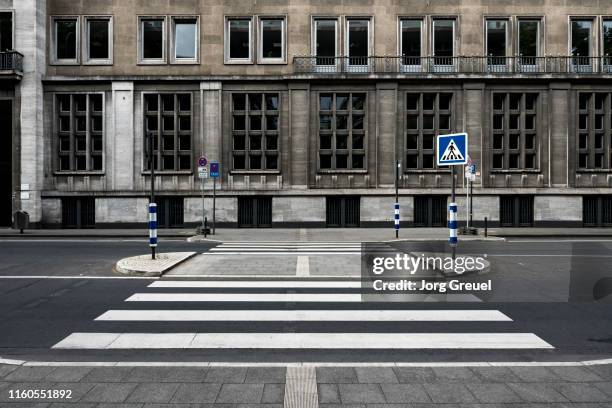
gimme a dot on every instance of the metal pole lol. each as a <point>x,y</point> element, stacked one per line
<point>397,220</point>
<point>452,223</point>
<point>214,205</point>
<point>153,223</point>
<point>471,202</point>
<point>203,210</point>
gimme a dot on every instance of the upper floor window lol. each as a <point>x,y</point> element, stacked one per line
<point>411,42</point>
<point>497,38</point>
<point>152,40</point>
<point>358,40</point>
<point>238,34</point>
<point>65,40</point>
<point>581,45</point>
<point>443,46</point>
<point>528,38</point>
<point>6,31</point>
<point>325,41</point>
<point>606,40</point>
<point>185,44</point>
<point>514,131</point>
<point>79,132</point>
<point>272,40</point>
<point>99,40</point>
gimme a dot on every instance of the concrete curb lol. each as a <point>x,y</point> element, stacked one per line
<point>199,238</point>
<point>141,265</point>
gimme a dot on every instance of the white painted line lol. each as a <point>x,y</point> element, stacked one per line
<point>305,315</point>
<point>565,255</point>
<point>256,284</point>
<point>291,243</point>
<point>290,246</point>
<point>75,277</point>
<point>315,341</point>
<point>277,253</point>
<point>245,297</point>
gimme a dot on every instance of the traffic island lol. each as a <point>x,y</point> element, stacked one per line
<point>143,265</point>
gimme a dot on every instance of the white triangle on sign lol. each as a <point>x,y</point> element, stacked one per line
<point>451,153</point>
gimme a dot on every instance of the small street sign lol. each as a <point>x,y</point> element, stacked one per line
<point>202,162</point>
<point>452,149</point>
<point>202,172</point>
<point>215,168</point>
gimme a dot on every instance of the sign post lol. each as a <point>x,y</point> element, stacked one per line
<point>152,204</point>
<point>397,206</point>
<point>203,175</point>
<point>215,168</point>
<point>452,151</point>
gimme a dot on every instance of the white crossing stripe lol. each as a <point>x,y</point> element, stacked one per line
<point>305,315</point>
<point>297,297</point>
<point>302,266</point>
<point>311,341</point>
<point>256,284</point>
<point>285,253</point>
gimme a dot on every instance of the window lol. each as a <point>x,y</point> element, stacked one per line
<point>6,31</point>
<point>325,41</point>
<point>99,40</point>
<point>255,131</point>
<point>528,37</point>
<point>342,131</point>
<point>272,40</point>
<point>606,42</point>
<point>594,131</point>
<point>426,116</point>
<point>238,40</point>
<point>444,40</point>
<point>152,40</point>
<point>65,40</point>
<point>169,117</point>
<point>357,41</point>
<point>410,41</point>
<point>497,42</point>
<point>185,34</point>
<point>581,44</point>
<point>79,132</point>
<point>514,141</point>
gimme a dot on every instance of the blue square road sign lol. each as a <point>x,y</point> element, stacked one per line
<point>214,169</point>
<point>452,149</point>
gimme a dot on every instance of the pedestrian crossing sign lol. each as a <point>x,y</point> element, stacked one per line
<point>452,149</point>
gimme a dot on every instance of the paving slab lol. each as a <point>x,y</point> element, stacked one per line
<point>493,393</point>
<point>420,375</point>
<point>226,375</point>
<point>109,392</point>
<point>577,392</point>
<point>336,375</point>
<point>376,375</point>
<point>240,394</point>
<point>405,393</point>
<point>273,394</point>
<point>197,393</point>
<point>541,392</point>
<point>329,394</point>
<point>153,392</point>
<point>266,375</point>
<point>449,393</point>
<point>361,393</point>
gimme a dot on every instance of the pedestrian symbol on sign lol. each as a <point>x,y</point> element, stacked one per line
<point>451,153</point>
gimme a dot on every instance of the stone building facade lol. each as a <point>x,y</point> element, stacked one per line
<point>308,106</point>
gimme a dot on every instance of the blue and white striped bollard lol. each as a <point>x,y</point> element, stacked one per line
<point>397,216</point>
<point>152,225</point>
<point>452,224</point>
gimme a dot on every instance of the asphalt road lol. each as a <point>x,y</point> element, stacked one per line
<point>545,287</point>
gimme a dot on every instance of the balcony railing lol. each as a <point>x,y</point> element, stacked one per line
<point>453,65</point>
<point>11,61</point>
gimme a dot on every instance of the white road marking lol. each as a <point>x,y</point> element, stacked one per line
<point>281,253</point>
<point>245,297</point>
<point>311,341</point>
<point>74,277</point>
<point>256,284</point>
<point>305,315</point>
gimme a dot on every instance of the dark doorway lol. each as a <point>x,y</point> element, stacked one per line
<point>254,212</point>
<point>170,212</point>
<point>343,212</point>
<point>6,162</point>
<point>78,212</point>
<point>597,211</point>
<point>516,211</point>
<point>430,211</point>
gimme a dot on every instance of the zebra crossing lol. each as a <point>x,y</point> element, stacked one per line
<point>273,306</point>
<point>286,248</point>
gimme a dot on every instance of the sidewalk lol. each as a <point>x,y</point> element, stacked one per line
<point>341,387</point>
<point>96,233</point>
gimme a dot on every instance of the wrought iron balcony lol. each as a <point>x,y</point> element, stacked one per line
<point>11,62</point>
<point>453,65</point>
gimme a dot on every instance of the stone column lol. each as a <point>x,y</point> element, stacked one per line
<point>560,166</point>
<point>211,129</point>
<point>30,40</point>
<point>297,160</point>
<point>385,147</point>
<point>120,139</point>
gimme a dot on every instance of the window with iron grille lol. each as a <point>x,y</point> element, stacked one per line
<point>169,118</point>
<point>514,131</point>
<point>342,131</point>
<point>594,131</point>
<point>426,116</point>
<point>80,132</point>
<point>255,131</point>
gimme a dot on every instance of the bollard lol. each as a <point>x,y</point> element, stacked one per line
<point>452,224</point>
<point>486,227</point>
<point>397,219</point>
<point>153,228</point>
<point>205,226</point>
